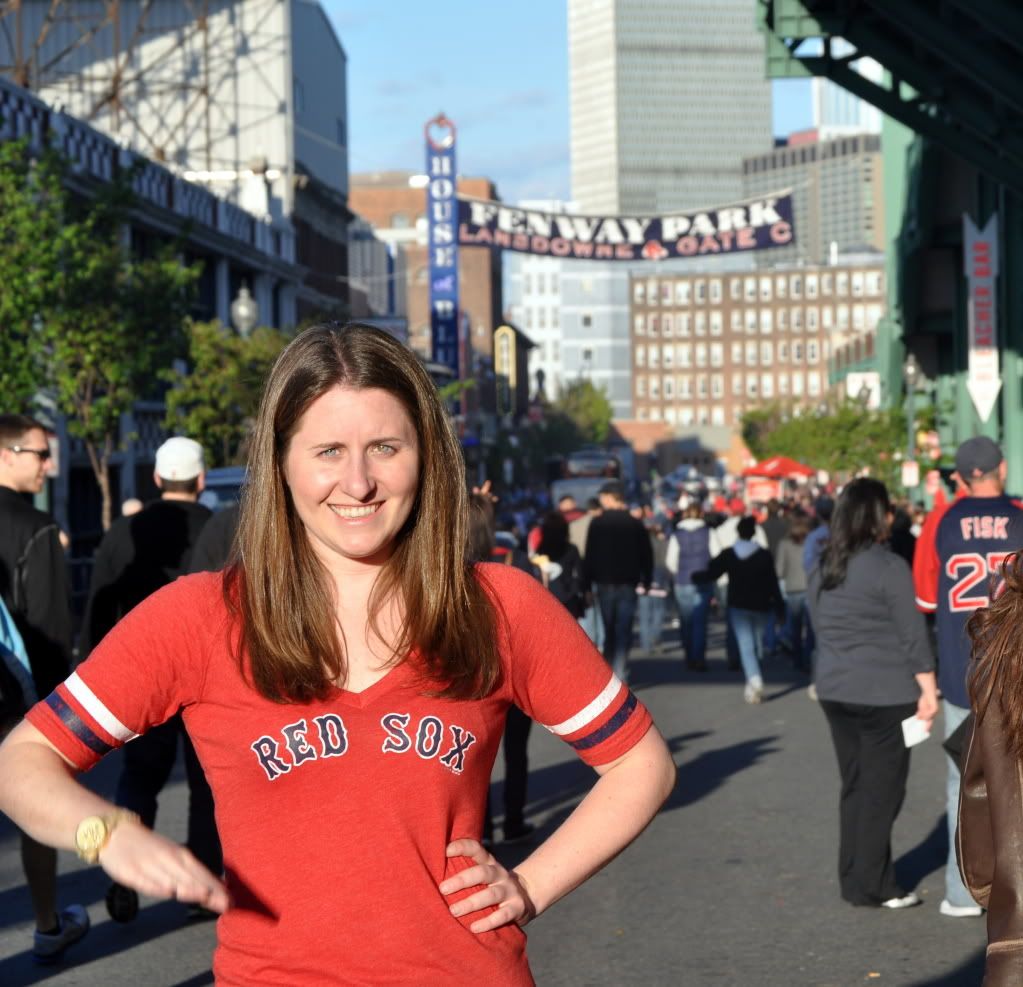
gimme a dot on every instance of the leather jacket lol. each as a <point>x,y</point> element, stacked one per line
<point>989,844</point>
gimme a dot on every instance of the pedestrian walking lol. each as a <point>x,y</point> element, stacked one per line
<point>874,670</point>
<point>754,598</point>
<point>989,839</point>
<point>788,561</point>
<point>138,555</point>
<point>617,561</point>
<point>688,552</point>
<point>346,685</point>
<point>35,591</point>
<point>955,558</point>
<point>578,530</point>
<point>653,600</point>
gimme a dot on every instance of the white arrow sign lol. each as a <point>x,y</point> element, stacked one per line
<point>980,257</point>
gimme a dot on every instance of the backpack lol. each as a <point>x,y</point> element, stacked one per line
<point>17,688</point>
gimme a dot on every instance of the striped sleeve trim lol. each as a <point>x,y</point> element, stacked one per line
<point>610,728</point>
<point>94,707</point>
<point>924,605</point>
<point>76,725</point>
<point>591,711</point>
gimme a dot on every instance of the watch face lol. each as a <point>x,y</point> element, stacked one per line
<point>91,833</point>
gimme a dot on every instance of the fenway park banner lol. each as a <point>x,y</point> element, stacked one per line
<point>757,224</point>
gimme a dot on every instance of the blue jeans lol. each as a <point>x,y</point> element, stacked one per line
<point>798,629</point>
<point>693,610</point>
<point>617,608</point>
<point>955,890</point>
<point>592,622</point>
<point>651,620</point>
<point>749,634</point>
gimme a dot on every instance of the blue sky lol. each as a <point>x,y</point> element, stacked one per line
<point>499,70</point>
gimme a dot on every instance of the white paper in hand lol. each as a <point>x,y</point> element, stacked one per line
<point>914,731</point>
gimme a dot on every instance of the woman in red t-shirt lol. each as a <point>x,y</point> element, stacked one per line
<point>345,682</point>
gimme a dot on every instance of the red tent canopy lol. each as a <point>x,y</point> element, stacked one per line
<point>778,467</point>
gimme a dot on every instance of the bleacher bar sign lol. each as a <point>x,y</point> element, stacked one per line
<point>758,224</point>
<point>441,212</point>
<point>980,256</point>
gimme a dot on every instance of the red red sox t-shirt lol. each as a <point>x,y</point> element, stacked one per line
<point>335,815</point>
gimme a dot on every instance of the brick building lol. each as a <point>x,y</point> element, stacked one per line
<point>707,347</point>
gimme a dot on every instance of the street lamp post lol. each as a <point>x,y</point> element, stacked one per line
<point>244,311</point>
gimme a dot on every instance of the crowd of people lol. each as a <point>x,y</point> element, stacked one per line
<point>357,638</point>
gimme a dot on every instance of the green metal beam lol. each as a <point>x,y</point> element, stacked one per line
<point>982,66</point>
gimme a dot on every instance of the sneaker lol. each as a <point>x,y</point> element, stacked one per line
<point>754,691</point>
<point>72,924</point>
<point>906,901</point>
<point>122,903</point>
<point>518,834</point>
<point>959,911</point>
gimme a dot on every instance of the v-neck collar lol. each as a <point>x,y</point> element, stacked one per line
<point>393,679</point>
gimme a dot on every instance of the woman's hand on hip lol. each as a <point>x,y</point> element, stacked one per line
<point>503,889</point>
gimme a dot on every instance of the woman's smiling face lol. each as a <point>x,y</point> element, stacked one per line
<point>352,467</point>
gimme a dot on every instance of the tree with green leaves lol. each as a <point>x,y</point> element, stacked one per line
<point>844,440</point>
<point>86,319</point>
<point>588,407</point>
<point>215,400</point>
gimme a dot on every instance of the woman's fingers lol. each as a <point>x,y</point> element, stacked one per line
<point>499,888</point>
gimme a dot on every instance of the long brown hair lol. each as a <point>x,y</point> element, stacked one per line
<point>996,668</point>
<point>283,592</point>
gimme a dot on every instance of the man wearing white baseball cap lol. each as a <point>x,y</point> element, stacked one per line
<point>137,556</point>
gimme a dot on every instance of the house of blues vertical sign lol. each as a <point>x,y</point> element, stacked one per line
<point>442,210</point>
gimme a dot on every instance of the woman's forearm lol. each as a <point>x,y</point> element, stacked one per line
<point>614,812</point>
<point>38,790</point>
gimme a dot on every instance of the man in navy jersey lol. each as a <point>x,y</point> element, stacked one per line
<point>971,540</point>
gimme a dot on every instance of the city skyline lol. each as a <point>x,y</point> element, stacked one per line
<point>512,118</point>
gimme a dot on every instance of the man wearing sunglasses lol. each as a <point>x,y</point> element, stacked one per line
<point>34,586</point>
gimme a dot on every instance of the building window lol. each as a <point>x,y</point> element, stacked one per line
<point>717,386</point>
<point>685,387</point>
<point>766,354</point>
<point>751,321</point>
<point>527,278</point>
<point>653,324</point>
<point>826,285</point>
<point>717,355</point>
<point>716,322</point>
<point>653,355</point>
<point>700,292</point>
<point>811,286</point>
<point>735,289</point>
<point>813,383</point>
<point>700,324</point>
<point>642,413</point>
<point>751,385</point>
<point>811,319</point>
<point>797,385</point>
<point>541,318</point>
<point>797,286</point>
<point>685,416</point>
<point>683,323</point>
<point>842,283</point>
<point>684,352</point>
<point>638,292</point>
<point>667,324</point>
<point>797,352</point>
<point>655,388</point>
<point>766,386</point>
<point>736,385</point>
<point>640,356</point>
<point>736,354</point>
<point>701,354</point>
<point>587,320</point>
<point>665,292</point>
<point>641,386</point>
<point>668,388</point>
<point>873,283</point>
<point>783,384</point>
<point>682,292</point>
<point>781,284</point>
<point>857,284</point>
<point>651,291</point>
<point>671,415</point>
<point>859,317</point>
<point>783,352</point>
<point>765,289</point>
<point>843,316</point>
<point>827,317</point>
<point>766,320</point>
<point>715,291</point>
<point>812,351</point>
<point>717,415</point>
<point>668,355</point>
<point>555,319</point>
<point>783,319</point>
<point>541,283</point>
<point>529,318</point>
<point>751,354</point>
<point>701,386</point>
<point>750,289</point>
<point>735,320</point>
<point>797,320</point>
<point>639,325</point>
<point>554,283</point>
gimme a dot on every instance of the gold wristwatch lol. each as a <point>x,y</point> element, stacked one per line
<point>93,833</point>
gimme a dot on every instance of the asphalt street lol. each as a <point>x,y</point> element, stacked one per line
<point>733,885</point>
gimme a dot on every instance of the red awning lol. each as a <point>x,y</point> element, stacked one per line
<point>778,467</point>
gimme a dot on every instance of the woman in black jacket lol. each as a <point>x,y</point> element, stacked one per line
<point>874,670</point>
<point>753,594</point>
<point>559,563</point>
